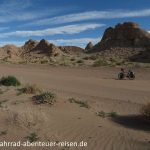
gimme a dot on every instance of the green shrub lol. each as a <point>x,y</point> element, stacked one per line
<point>9,81</point>
<point>45,97</point>
<point>33,137</point>
<point>30,89</point>
<point>81,103</point>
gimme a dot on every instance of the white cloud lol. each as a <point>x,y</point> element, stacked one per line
<point>69,29</point>
<point>13,5</point>
<point>21,10</point>
<point>82,42</point>
<point>91,15</point>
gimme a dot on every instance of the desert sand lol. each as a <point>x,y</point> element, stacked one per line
<point>65,121</point>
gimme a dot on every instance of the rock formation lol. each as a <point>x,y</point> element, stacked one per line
<point>127,34</point>
<point>89,46</point>
<point>10,52</point>
<point>29,45</point>
<point>71,50</point>
<point>48,48</point>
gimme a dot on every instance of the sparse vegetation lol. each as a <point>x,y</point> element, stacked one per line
<point>45,97</point>
<point>72,59</point>
<point>118,63</point>
<point>44,61</point>
<point>80,61</point>
<point>22,62</point>
<point>33,137</point>
<point>1,102</point>
<point>145,112</point>
<point>137,64</point>
<point>100,62</point>
<point>3,132</point>
<point>65,63</point>
<point>93,57</point>
<point>86,58</point>
<point>30,89</point>
<point>79,102</point>
<point>104,114</point>
<point>141,65</point>
<point>9,81</point>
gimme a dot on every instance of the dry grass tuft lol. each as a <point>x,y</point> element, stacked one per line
<point>81,103</point>
<point>45,97</point>
<point>30,89</point>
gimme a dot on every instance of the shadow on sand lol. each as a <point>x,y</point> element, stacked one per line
<point>132,121</point>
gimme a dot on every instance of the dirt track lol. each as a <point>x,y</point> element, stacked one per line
<point>99,82</point>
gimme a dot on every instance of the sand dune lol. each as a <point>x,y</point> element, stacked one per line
<point>67,121</point>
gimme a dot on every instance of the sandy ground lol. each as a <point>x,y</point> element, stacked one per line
<point>65,121</point>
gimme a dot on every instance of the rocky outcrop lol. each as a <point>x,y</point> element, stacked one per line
<point>71,50</point>
<point>128,34</point>
<point>42,47</point>
<point>29,45</point>
<point>89,46</point>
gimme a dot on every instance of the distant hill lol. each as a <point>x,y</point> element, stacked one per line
<point>127,40</point>
<point>10,52</point>
<point>36,50</point>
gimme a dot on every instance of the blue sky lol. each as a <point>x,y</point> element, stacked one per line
<point>67,22</point>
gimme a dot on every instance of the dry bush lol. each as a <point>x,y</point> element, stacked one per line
<point>145,112</point>
<point>30,89</point>
<point>107,114</point>
<point>81,103</point>
<point>33,137</point>
<point>45,97</point>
